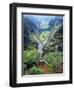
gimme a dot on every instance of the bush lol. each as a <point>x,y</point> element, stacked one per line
<point>35,70</point>
<point>54,59</point>
<point>30,55</point>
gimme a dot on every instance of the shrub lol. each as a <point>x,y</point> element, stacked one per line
<point>30,55</point>
<point>54,59</point>
<point>35,70</point>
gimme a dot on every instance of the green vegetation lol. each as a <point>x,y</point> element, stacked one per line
<point>30,55</point>
<point>35,70</point>
<point>43,44</point>
<point>54,60</point>
<point>43,36</point>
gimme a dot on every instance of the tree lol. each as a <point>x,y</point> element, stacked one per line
<point>33,34</point>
